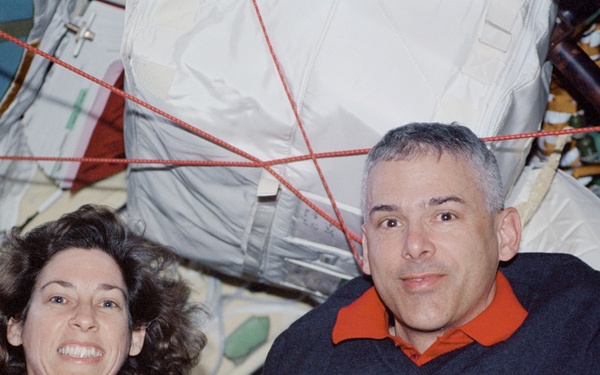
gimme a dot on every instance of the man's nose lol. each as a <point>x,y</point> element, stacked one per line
<point>417,242</point>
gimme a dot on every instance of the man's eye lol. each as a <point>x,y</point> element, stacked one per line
<point>391,223</point>
<point>445,216</point>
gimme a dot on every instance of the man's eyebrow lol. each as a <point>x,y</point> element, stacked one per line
<point>383,208</point>
<point>437,201</point>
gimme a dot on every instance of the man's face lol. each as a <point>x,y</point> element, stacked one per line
<point>78,321</point>
<point>430,244</point>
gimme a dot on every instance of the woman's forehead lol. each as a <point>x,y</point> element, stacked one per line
<point>83,267</point>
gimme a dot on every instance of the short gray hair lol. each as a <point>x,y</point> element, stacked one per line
<point>414,140</point>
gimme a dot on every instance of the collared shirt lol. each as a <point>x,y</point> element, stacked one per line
<point>367,318</point>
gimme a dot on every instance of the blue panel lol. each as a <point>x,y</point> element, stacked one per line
<point>13,13</point>
<point>14,10</point>
<point>9,63</point>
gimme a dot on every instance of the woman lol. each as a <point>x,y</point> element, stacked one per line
<point>86,295</point>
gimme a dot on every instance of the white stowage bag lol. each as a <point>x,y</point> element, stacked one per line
<point>567,221</point>
<point>354,69</point>
<point>48,28</point>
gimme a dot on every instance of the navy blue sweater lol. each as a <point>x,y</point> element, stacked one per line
<point>561,334</point>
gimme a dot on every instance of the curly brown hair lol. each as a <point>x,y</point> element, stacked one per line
<point>157,298</point>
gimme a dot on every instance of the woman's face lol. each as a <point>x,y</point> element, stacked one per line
<point>78,317</point>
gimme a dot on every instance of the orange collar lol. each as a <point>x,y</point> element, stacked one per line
<point>367,318</point>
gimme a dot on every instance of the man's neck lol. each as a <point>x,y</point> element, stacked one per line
<point>420,340</point>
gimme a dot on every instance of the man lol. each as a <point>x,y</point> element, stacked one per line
<point>444,291</point>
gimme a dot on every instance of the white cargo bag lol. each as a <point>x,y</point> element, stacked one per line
<point>354,70</point>
<point>48,28</point>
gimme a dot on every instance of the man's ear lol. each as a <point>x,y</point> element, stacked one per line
<point>137,341</point>
<point>508,226</point>
<point>366,268</point>
<point>14,332</point>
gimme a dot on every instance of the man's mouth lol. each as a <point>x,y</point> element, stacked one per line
<point>421,282</point>
<point>77,351</point>
<point>418,278</point>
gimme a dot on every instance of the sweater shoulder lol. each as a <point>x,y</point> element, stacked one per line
<point>539,269</point>
<point>552,278</point>
<point>305,347</point>
<point>323,317</point>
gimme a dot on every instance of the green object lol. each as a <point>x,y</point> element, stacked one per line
<point>576,121</point>
<point>587,149</point>
<point>596,137</point>
<point>248,336</point>
<point>588,152</point>
<point>77,106</point>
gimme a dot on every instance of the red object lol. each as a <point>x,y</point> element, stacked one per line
<point>106,142</point>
